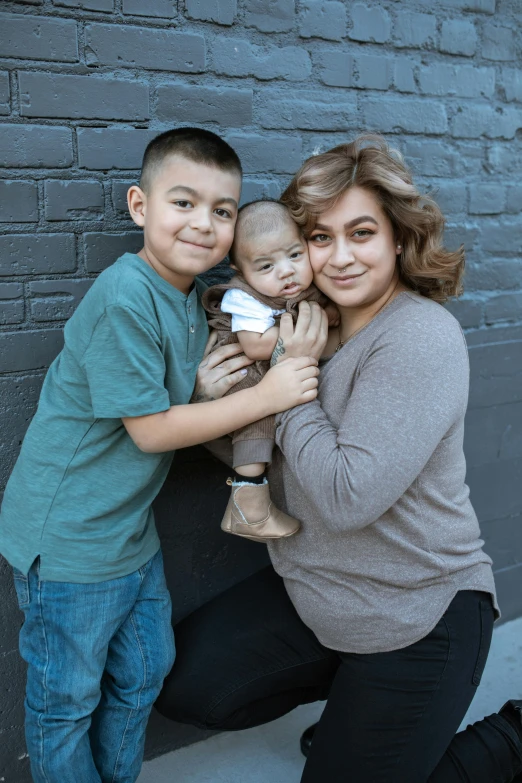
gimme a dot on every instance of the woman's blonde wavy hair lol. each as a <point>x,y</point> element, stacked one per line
<point>368,162</point>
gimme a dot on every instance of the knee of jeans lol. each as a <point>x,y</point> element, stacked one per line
<point>158,667</point>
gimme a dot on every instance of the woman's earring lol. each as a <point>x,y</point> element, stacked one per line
<point>399,248</point>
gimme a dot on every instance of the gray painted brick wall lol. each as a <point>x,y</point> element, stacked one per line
<point>85,84</point>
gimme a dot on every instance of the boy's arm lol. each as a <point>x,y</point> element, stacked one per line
<point>258,346</point>
<point>290,383</point>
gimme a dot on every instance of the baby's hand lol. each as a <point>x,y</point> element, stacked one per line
<point>332,313</point>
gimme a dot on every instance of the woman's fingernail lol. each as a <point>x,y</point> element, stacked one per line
<point>244,372</point>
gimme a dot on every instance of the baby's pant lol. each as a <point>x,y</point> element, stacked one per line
<point>253,443</point>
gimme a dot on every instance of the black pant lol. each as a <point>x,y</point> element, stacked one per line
<point>246,658</point>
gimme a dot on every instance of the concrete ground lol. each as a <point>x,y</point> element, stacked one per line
<point>270,753</point>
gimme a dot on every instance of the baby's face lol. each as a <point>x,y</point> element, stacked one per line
<point>275,264</point>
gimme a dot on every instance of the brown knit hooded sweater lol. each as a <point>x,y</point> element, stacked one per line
<point>222,322</point>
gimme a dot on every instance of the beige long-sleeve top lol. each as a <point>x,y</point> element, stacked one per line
<point>375,470</point>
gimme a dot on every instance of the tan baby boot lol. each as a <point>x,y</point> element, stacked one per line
<point>251,514</point>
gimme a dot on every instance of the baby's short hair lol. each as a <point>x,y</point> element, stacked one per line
<point>257,218</point>
<point>195,144</point>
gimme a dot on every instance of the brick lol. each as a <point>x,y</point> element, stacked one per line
<point>369,24</point>
<point>495,489</point>
<point>512,84</point>
<point>323,19</point>
<point>12,312</point>
<point>56,300</point>
<point>495,374</point>
<point>451,197</point>
<point>19,397</point>
<point>458,37</point>
<point>494,274</point>
<point>373,72</point>
<point>35,146</point>
<point>112,148</point>
<point>38,38</point>
<point>473,121</point>
<point>514,198</point>
<point>408,115</point>
<point>186,103</point>
<point>486,198</point>
<point>11,303</point>
<point>153,8</point>
<point>119,195</point>
<point>461,234</point>
<point>500,159</point>
<point>500,334</point>
<point>432,158</point>
<point>73,199</point>
<point>11,290</point>
<point>270,16</point>
<point>30,350</point>
<point>481,6</point>
<point>502,237</point>
<point>503,542</point>
<point>446,79</point>
<point>252,190</point>
<point>141,47</point>
<point>267,153</point>
<point>365,71</point>
<point>404,75</point>
<point>87,5</point>
<point>335,67</point>
<point>492,434</point>
<point>238,57</point>
<point>37,254</point>
<point>5,107</point>
<point>18,202</point>
<point>218,11</point>
<point>498,43</point>
<point>307,110</point>
<point>415,30</point>
<point>56,95</point>
<point>468,312</point>
<point>505,307</point>
<point>102,249</point>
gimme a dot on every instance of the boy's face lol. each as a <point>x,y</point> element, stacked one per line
<point>275,264</point>
<point>188,217</point>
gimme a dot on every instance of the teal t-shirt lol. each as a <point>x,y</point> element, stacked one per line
<point>81,491</point>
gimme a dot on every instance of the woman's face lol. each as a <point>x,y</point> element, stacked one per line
<point>353,251</point>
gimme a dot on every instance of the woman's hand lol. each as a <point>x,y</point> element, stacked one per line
<point>219,371</point>
<point>289,383</point>
<point>309,336</point>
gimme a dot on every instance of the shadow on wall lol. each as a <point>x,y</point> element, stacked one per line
<point>200,560</point>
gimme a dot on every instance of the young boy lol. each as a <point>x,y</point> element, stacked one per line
<point>76,523</point>
<point>274,274</point>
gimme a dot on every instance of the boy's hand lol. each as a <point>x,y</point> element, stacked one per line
<point>219,371</point>
<point>309,336</point>
<point>289,383</point>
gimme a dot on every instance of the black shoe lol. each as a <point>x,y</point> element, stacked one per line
<point>306,739</point>
<point>512,712</point>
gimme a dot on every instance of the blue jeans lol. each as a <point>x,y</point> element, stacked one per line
<point>97,656</point>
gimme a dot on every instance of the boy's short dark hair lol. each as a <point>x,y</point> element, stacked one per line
<point>196,144</point>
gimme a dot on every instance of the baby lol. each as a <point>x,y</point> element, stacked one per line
<point>274,274</point>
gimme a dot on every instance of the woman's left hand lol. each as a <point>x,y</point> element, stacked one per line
<point>307,338</point>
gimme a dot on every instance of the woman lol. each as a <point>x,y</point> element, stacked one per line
<point>395,598</point>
